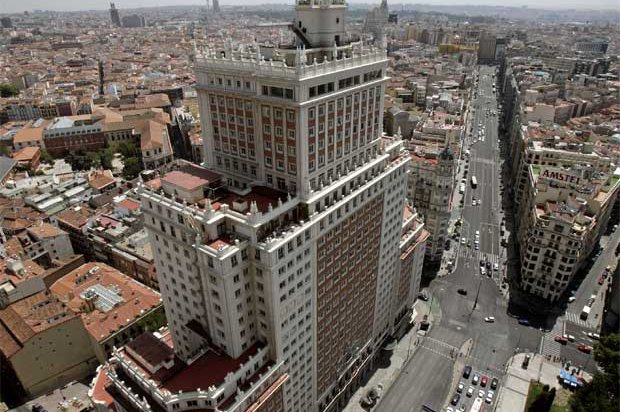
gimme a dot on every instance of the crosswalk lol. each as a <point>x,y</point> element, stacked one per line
<point>478,255</point>
<point>574,318</point>
<point>550,346</point>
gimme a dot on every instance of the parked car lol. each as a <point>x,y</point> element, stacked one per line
<point>460,387</point>
<point>475,379</point>
<point>561,339</point>
<point>481,394</point>
<point>489,398</point>
<point>470,392</point>
<point>496,267</point>
<point>571,299</point>
<point>484,381</point>
<point>524,322</point>
<point>489,319</point>
<point>462,291</point>
<point>455,399</point>
<point>488,265</point>
<point>594,336</point>
<point>467,372</point>
<point>494,383</point>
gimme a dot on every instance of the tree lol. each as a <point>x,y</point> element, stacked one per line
<point>132,167</point>
<point>93,159</point>
<point>106,158</point>
<point>5,151</point>
<point>46,158</point>
<point>8,90</point>
<point>127,150</point>
<point>544,400</point>
<point>602,393</point>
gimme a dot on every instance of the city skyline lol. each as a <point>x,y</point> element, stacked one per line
<point>88,5</point>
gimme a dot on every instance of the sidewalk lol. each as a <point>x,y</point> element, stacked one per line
<point>389,365</point>
<point>512,394</point>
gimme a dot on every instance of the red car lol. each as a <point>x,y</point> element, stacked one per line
<point>585,349</point>
<point>484,381</point>
<point>561,339</point>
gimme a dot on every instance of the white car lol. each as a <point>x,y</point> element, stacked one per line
<point>489,319</point>
<point>594,336</point>
<point>483,271</point>
<point>572,299</point>
<point>489,398</point>
<point>481,393</point>
<point>463,241</point>
<point>460,387</point>
<point>495,267</point>
<point>470,392</point>
<point>477,246</point>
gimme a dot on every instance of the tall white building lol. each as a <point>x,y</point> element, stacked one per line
<point>290,248</point>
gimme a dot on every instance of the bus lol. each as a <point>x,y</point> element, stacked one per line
<point>474,182</point>
<point>477,405</point>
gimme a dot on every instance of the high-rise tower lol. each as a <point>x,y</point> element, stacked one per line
<point>114,16</point>
<point>216,6</point>
<point>289,240</point>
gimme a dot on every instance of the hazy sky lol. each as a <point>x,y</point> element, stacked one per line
<point>11,6</point>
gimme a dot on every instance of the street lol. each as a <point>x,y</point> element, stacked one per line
<point>425,378</point>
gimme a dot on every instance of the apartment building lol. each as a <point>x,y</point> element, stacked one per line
<point>430,186</point>
<point>280,260</point>
<point>564,195</point>
<point>44,345</point>
<point>70,134</point>
<point>113,306</point>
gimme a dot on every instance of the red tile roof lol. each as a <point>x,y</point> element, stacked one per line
<point>137,299</point>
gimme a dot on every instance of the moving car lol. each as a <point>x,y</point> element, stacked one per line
<point>484,381</point>
<point>594,336</point>
<point>462,291</point>
<point>572,299</point>
<point>489,319</point>
<point>584,348</point>
<point>561,339</point>
<point>524,322</point>
<point>570,338</point>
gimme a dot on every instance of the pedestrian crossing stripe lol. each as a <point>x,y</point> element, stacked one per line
<point>573,318</point>
<point>478,255</point>
<point>550,346</point>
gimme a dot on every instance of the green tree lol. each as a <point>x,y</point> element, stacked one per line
<point>106,157</point>
<point>544,400</point>
<point>8,90</point>
<point>46,157</point>
<point>5,151</point>
<point>602,393</point>
<point>127,150</point>
<point>132,167</point>
<point>93,159</point>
